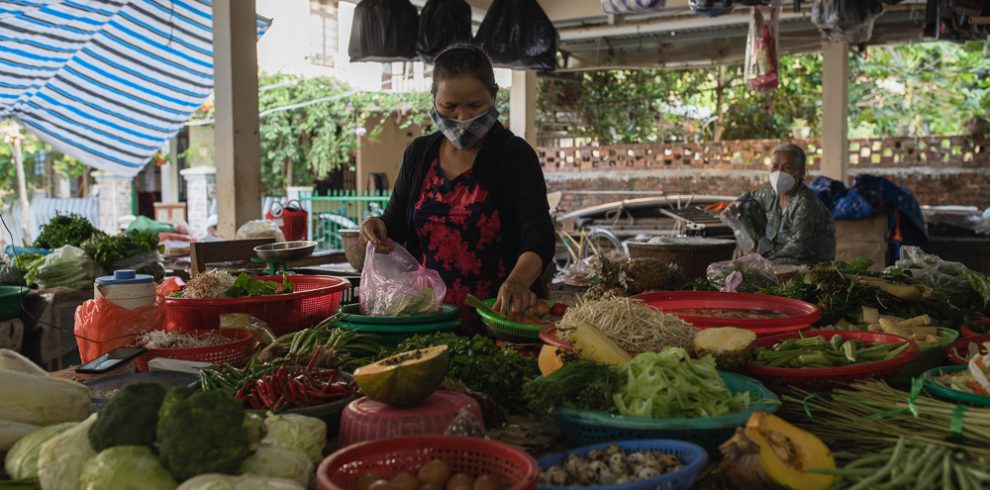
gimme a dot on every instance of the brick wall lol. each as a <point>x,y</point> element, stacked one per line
<point>939,170</point>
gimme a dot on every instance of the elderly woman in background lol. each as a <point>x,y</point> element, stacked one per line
<point>787,222</point>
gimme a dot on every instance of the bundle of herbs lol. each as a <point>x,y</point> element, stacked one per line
<point>581,385</point>
<point>65,229</point>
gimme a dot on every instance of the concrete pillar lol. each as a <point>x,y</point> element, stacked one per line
<point>835,111</point>
<point>238,152</point>
<point>170,174</point>
<point>115,197</point>
<point>201,187</point>
<point>522,105</point>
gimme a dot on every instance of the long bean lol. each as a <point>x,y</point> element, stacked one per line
<point>909,464</point>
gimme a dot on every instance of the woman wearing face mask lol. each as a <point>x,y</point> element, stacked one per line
<point>470,201</point>
<point>788,223</point>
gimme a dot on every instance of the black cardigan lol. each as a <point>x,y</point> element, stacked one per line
<point>508,168</point>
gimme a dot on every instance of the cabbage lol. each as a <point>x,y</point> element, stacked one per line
<point>280,462</point>
<point>62,457</point>
<point>22,459</point>
<point>216,481</point>
<point>126,468</point>
<point>306,434</point>
<point>669,384</point>
<point>11,432</point>
<point>67,266</point>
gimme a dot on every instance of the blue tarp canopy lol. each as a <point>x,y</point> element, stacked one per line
<point>107,82</point>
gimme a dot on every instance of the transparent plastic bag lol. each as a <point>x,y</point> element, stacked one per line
<point>732,217</point>
<point>394,284</point>
<point>260,228</point>
<point>932,270</point>
<point>748,274</point>
<point>761,48</point>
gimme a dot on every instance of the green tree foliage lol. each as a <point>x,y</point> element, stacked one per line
<point>914,89</point>
<point>32,149</point>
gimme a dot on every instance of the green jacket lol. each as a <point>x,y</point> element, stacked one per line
<point>802,234</point>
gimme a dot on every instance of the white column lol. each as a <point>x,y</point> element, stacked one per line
<point>522,105</point>
<point>115,197</point>
<point>201,187</point>
<point>235,68</point>
<point>170,174</point>
<point>835,111</point>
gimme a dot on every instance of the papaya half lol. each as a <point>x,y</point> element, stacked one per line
<point>405,379</point>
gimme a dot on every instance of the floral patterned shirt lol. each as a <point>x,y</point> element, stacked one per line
<point>459,231</point>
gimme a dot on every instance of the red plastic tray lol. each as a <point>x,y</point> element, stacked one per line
<point>825,378</point>
<point>958,351</point>
<point>800,315</point>
<point>389,457</point>
<point>983,325</point>
<point>315,299</point>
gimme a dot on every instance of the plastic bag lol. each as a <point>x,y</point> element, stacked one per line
<point>518,34</point>
<point>620,7</point>
<point>394,284</point>
<point>383,30</point>
<point>149,263</point>
<point>102,326</point>
<point>852,206</point>
<point>260,228</point>
<point>846,21</point>
<point>67,266</point>
<point>932,270</point>
<point>731,218</point>
<point>761,48</point>
<point>144,223</point>
<point>711,8</point>
<point>748,274</point>
<point>442,23</point>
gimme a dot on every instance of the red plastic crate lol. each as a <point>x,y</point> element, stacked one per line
<point>315,299</point>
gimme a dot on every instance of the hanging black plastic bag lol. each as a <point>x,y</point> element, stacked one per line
<point>622,7</point>
<point>711,8</point>
<point>518,34</point>
<point>441,24</point>
<point>846,21</point>
<point>761,48</point>
<point>383,30</point>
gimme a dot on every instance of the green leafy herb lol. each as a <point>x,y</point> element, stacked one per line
<point>244,285</point>
<point>482,366</point>
<point>581,385</point>
<point>65,229</point>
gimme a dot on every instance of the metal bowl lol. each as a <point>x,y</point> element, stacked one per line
<point>286,250</point>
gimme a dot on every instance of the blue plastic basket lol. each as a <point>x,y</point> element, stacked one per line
<point>99,386</point>
<point>580,427</point>
<point>692,456</point>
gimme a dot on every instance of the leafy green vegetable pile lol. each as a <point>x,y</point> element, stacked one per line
<point>68,266</point>
<point>482,366</point>
<point>114,251</point>
<point>668,384</point>
<point>244,285</point>
<point>65,229</point>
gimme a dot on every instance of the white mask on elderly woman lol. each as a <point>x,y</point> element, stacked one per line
<point>782,182</point>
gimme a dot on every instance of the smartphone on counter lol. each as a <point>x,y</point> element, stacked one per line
<point>111,360</point>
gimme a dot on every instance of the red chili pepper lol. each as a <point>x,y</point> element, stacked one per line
<point>262,393</point>
<point>312,360</point>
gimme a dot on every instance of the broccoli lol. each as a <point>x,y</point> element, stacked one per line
<point>202,432</point>
<point>130,418</point>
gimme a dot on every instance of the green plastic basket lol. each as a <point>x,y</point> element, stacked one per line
<point>352,313</point>
<point>950,394</point>
<point>581,428</point>
<point>506,328</point>
<point>10,301</point>
<point>393,335</point>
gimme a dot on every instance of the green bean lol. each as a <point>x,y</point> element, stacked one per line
<point>947,471</point>
<point>963,479</point>
<point>894,460</point>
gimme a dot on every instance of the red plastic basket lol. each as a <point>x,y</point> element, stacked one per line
<point>800,315</point>
<point>825,378</point>
<point>367,420</point>
<point>958,351</point>
<point>389,457</point>
<point>977,327</point>
<point>234,352</point>
<point>315,299</point>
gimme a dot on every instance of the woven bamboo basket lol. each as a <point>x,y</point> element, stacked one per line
<point>692,257</point>
<point>353,249</point>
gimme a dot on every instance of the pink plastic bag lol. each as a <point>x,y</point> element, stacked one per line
<point>394,284</point>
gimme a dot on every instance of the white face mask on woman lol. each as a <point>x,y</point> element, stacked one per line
<point>782,182</point>
<point>465,133</point>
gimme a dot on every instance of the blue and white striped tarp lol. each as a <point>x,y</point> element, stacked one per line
<point>106,81</point>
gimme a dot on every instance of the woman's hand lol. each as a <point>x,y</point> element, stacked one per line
<point>514,297</point>
<point>373,230</point>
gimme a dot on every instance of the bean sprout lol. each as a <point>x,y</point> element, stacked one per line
<point>631,324</point>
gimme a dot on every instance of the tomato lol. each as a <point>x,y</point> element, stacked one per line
<point>558,309</point>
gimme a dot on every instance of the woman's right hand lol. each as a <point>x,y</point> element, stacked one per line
<point>373,230</point>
